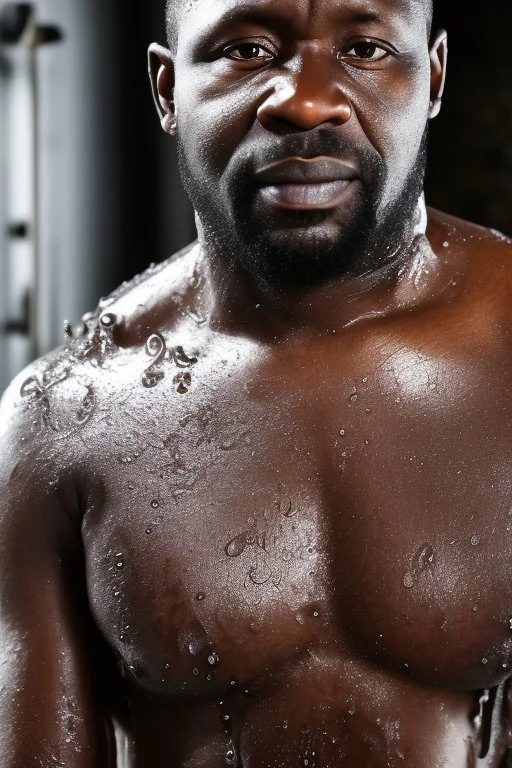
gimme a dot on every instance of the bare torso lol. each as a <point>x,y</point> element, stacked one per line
<point>300,553</point>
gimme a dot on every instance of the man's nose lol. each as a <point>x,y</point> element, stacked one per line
<point>308,97</point>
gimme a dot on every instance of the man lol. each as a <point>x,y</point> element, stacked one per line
<point>258,511</point>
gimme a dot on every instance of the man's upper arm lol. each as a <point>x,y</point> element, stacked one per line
<point>51,713</point>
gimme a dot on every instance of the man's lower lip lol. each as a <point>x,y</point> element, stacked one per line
<point>304,197</point>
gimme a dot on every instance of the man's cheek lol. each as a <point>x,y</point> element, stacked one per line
<point>218,134</point>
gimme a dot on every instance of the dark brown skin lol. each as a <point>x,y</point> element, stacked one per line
<point>269,529</point>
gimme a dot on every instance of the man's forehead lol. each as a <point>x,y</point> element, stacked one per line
<point>360,9</point>
<point>380,7</point>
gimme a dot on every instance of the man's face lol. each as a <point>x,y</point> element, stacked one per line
<point>301,129</point>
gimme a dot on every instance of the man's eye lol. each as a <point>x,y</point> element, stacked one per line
<point>247,52</point>
<point>366,51</point>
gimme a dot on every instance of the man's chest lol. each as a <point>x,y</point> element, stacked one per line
<point>369,514</point>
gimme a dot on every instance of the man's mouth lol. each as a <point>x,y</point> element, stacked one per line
<point>296,183</point>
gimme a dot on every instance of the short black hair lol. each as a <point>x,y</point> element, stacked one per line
<point>171,20</point>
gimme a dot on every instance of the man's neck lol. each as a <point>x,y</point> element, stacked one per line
<point>236,304</point>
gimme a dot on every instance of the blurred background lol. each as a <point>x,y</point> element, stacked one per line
<point>89,193</point>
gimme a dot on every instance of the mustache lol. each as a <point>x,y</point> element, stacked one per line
<point>323,141</point>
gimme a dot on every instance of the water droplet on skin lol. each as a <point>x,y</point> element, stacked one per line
<point>353,398</point>
<point>315,614</point>
<point>408,580</point>
<point>119,563</point>
<point>343,432</point>
<point>131,486</point>
<point>181,359</point>
<point>484,661</point>
<point>233,681</point>
<point>195,671</point>
<point>200,596</point>
<point>209,676</point>
<point>236,546</point>
<point>285,725</point>
<point>510,623</point>
<point>167,665</point>
<point>149,530</point>
<point>108,320</point>
<point>156,348</point>
<point>445,244</point>
<point>286,509</point>
<point>213,659</point>
<point>155,504</point>
<point>182,382</point>
<point>367,410</point>
<point>426,557</point>
<point>475,539</point>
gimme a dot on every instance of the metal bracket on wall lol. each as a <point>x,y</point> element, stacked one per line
<point>16,26</point>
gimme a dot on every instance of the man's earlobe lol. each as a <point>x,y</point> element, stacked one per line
<point>438,61</point>
<point>161,76</point>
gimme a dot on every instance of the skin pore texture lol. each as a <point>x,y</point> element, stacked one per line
<point>257,507</point>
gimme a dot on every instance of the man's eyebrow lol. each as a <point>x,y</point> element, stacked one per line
<point>365,17</point>
<point>247,12</point>
<point>243,13</point>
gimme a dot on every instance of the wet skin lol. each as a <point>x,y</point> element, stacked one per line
<point>263,527</point>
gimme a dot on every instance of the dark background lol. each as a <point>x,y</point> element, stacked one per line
<point>470,170</point>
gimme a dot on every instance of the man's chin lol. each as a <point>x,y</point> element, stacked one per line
<point>303,253</point>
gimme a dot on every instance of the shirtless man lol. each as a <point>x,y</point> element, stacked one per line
<point>258,511</point>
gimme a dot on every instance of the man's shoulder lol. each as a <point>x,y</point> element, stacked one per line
<point>54,403</point>
<point>481,256</point>
<point>478,263</point>
<point>450,232</point>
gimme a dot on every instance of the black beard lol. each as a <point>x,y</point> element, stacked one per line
<point>371,239</point>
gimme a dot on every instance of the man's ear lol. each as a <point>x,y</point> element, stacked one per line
<point>161,76</point>
<point>438,60</point>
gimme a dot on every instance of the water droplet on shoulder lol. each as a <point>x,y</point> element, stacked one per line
<point>408,580</point>
<point>236,546</point>
<point>182,382</point>
<point>108,320</point>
